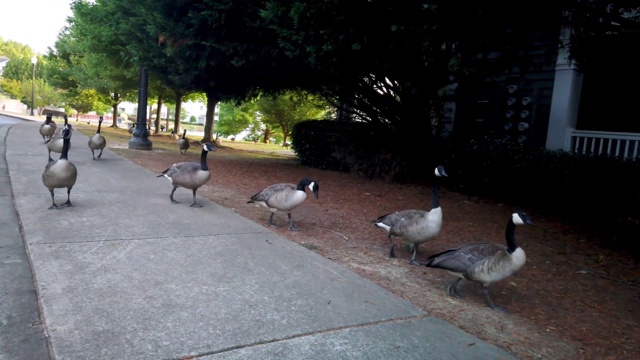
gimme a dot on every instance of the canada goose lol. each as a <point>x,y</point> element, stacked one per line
<point>97,141</point>
<point>285,197</point>
<point>48,128</point>
<point>189,175</point>
<point>56,144</point>
<point>183,143</point>
<point>132,127</point>
<point>415,226</point>
<point>484,263</point>
<point>61,173</point>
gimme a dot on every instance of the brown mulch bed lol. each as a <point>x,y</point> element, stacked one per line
<point>573,299</point>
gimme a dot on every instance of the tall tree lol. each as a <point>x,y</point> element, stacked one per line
<point>234,118</point>
<point>283,111</point>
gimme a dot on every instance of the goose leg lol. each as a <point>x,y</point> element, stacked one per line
<point>194,200</point>
<point>413,256</point>
<point>54,206</point>
<point>392,252</point>
<point>68,203</point>
<point>50,159</point>
<point>271,223</point>
<point>292,227</point>
<point>485,291</point>
<point>451,288</point>
<point>171,196</point>
<point>100,155</point>
<point>92,154</point>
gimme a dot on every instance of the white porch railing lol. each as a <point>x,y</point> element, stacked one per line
<point>613,144</point>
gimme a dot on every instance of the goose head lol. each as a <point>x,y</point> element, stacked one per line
<point>520,218</point>
<point>66,132</point>
<point>208,147</point>
<point>100,119</point>
<point>312,185</point>
<point>439,172</point>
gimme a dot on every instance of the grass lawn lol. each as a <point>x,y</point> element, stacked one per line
<point>119,138</point>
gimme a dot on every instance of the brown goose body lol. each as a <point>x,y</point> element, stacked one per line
<point>189,175</point>
<point>414,226</point>
<point>60,173</point>
<point>48,128</point>
<point>97,141</point>
<point>284,197</point>
<point>183,143</point>
<point>483,263</point>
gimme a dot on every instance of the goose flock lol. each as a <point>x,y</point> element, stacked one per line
<point>482,263</point>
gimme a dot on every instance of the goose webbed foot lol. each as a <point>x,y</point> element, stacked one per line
<point>490,303</point>
<point>271,223</point>
<point>195,204</point>
<point>451,289</point>
<point>171,196</point>
<point>414,262</point>
<point>292,226</point>
<point>54,207</point>
<point>68,204</point>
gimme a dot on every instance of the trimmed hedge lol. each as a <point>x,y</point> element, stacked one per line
<point>603,192</point>
<point>358,147</point>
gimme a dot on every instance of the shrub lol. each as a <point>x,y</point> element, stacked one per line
<point>600,191</point>
<point>357,147</point>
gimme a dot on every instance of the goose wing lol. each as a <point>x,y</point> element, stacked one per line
<point>464,258</point>
<point>270,191</point>
<point>181,167</point>
<point>395,218</point>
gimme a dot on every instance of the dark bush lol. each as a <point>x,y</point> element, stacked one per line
<point>357,147</point>
<point>602,192</point>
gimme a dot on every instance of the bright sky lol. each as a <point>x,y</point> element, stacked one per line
<point>35,23</point>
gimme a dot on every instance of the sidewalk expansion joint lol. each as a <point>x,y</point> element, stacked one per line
<point>302,335</point>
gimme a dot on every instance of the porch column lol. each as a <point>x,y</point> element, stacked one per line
<point>565,99</point>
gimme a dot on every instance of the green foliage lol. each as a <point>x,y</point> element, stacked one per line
<point>11,87</point>
<point>84,101</point>
<point>602,191</point>
<point>233,118</point>
<point>357,147</point>
<point>44,94</point>
<point>283,111</point>
<point>192,119</point>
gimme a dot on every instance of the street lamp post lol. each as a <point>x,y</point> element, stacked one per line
<point>34,60</point>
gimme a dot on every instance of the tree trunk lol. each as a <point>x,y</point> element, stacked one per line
<point>157,122</point>
<point>267,135</point>
<point>116,101</point>
<point>212,101</point>
<point>166,120</point>
<point>149,117</point>
<point>176,120</point>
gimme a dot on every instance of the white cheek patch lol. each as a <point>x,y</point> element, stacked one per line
<point>516,219</point>
<point>311,186</point>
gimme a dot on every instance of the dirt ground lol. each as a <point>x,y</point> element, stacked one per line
<point>571,300</point>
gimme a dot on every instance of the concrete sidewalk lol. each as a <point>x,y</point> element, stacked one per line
<point>125,274</point>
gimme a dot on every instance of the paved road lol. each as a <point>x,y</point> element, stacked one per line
<point>21,333</point>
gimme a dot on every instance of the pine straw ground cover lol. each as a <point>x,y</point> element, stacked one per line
<point>573,299</point>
